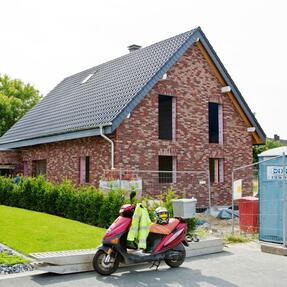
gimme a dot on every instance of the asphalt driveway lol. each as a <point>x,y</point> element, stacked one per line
<point>240,265</point>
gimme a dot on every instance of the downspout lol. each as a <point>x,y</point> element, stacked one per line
<point>111,142</point>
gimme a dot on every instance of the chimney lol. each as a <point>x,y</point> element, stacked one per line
<point>134,47</point>
<point>276,138</point>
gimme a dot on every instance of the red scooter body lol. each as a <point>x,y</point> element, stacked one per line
<point>163,243</point>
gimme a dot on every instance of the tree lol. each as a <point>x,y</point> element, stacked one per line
<point>16,98</point>
<point>261,148</point>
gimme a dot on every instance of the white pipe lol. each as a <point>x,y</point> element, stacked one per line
<point>111,142</point>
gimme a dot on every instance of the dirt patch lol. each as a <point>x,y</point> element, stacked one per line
<point>217,227</point>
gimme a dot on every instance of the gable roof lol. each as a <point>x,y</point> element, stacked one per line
<point>75,108</point>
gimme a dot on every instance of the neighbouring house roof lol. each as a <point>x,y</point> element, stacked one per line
<point>107,93</point>
<point>277,138</point>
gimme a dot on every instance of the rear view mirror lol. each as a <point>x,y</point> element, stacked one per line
<point>132,195</point>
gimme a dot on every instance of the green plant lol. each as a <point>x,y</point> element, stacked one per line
<point>191,224</point>
<point>257,149</point>
<point>201,232</point>
<point>236,238</point>
<point>85,203</point>
<point>7,259</point>
<point>168,197</point>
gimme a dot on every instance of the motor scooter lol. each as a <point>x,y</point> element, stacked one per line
<point>164,242</point>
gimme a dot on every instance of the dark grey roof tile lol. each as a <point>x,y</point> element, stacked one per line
<point>73,106</point>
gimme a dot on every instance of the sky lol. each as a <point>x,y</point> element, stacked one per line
<point>44,41</point>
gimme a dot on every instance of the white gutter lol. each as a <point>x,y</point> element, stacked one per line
<point>110,141</point>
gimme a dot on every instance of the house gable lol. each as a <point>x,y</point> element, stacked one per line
<point>117,107</point>
<point>191,82</point>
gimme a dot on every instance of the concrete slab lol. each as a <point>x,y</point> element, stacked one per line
<point>65,257</point>
<point>66,269</point>
<point>73,261</point>
<point>274,249</point>
<point>206,246</point>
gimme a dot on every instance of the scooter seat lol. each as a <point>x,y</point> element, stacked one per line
<point>164,228</point>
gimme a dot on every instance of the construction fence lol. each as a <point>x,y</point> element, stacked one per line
<point>255,195</point>
<point>185,184</point>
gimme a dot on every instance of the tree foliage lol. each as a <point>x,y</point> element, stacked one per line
<point>16,98</point>
<point>261,148</point>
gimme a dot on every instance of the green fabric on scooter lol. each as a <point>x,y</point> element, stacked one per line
<point>140,226</point>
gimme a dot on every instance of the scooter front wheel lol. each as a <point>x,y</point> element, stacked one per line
<point>179,256</point>
<point>105,264</point>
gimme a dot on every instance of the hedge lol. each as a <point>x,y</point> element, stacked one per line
<point>85,203</point>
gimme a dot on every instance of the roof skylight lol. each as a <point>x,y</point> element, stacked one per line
<point>87,78</point>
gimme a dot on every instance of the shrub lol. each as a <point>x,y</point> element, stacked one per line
<point>191,225</point>
<point>85,204</point>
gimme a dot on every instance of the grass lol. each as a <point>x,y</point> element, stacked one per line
<point>201,232</point>
<point>238,238</point>
<point>5,258</point>
<point>29,231</point>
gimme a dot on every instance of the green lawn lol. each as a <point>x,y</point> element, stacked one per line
<point>29,231</point>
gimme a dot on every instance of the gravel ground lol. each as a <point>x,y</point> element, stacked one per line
<point>16,268</point>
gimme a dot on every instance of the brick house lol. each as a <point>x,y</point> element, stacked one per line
<point>169,106</point>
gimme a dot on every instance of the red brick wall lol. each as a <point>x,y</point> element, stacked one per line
<point>193,84</point>
<point>137,145</point>
<point>63,158</point>
<point>11,158</point>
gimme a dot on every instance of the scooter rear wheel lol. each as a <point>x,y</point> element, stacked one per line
<point>105,264</point>
<point>179,260</point>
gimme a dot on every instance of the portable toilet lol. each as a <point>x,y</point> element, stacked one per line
<point>272,195</point>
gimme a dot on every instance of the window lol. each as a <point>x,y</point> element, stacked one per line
<point>87,78</point>
<point>39,167</point>
<point>165,117</point>
<point>4,172</point>
<point>215,123</point>
<point>216,170</point>
<point>84,169</point>
<point>166,166</point>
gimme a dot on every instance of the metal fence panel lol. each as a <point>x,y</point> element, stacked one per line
<point>185,184</point>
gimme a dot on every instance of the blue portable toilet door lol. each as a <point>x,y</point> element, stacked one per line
<point>271,200</point>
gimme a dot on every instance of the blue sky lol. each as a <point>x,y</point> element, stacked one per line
<point>44,41</point>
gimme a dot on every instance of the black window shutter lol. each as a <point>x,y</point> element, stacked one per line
<point>165,117</point>
<point>213,122</point>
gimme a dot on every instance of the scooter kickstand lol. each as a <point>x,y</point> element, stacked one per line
<point>155,263</point>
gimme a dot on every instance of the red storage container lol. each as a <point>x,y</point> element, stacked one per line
<point>248,213</point>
